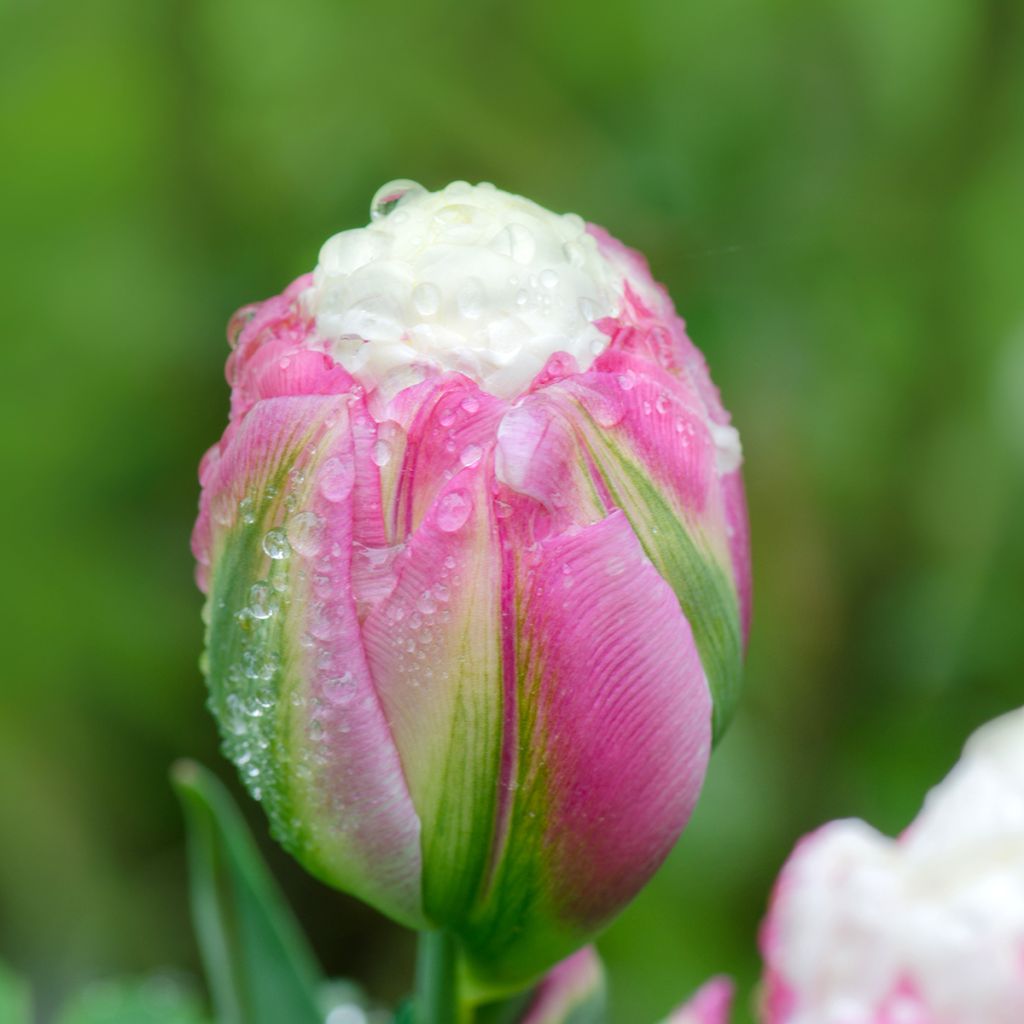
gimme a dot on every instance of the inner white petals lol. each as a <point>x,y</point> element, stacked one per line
<point>469,278</point>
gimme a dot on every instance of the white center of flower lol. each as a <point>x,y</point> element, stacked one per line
<point>469,278</point>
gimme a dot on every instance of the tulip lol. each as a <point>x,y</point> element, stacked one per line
<point>475,549</point>
<point>924,929</point>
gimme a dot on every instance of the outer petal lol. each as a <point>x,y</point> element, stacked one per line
<point>710,1004</point>
<point>634,438</point>
<point>289,681</point>
<point>608,746</point>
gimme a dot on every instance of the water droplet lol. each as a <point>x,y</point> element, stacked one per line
<point>336,479</point>
<point>306,533</point>
<point>447,418</point>
<point>340,689</point>
<point>449,561</point>
<point>453,510</point>
<point>426,603</point>
<point>426,298</point>
<point>392,195</point>
<point>548,279</point>
<point>381,453</point>
<point>661,403</point>
<point>275,545</point>
<point>522,297</point>
<point>262,600</point>
<point>247,511</point>
<point>588,310</point>
<point>470,404</point>
<point>471,298</point>
<point>627,380</point>
<point>517,242</point>
<point>574,254</point>
<point>238,323</point>
<point>471,455</point>
<point>221,509</point>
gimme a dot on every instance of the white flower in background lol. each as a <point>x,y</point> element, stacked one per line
<point>924,929</point>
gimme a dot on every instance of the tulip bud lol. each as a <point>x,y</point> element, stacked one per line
<point>925,929</point>
<point>475,550</point>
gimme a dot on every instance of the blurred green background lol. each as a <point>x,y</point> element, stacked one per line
<point>834,193</point>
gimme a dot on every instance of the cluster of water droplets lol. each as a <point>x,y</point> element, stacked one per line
<point>418,627</point>
<point>469,278</point>
<point>246,696</point>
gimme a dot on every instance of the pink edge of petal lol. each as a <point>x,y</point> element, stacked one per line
<point>567,985</point>
<point>710,1004</point>
<point>624,722</point>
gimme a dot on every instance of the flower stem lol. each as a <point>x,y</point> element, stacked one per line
<point>436,989</point>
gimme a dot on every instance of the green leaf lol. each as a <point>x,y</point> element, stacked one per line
<point>149,1001</point>
<point>259,965</point>
<point>15,1000</point>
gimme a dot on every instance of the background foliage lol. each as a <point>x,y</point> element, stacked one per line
<point>832,191</point>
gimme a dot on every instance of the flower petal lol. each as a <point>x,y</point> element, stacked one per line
<point>710,1004</point>
<point>572,991</point>
<point>610,744</point>
<point>289,681</point>
<point>634,438</point>
<point>434,646</point>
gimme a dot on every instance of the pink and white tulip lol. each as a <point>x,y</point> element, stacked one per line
<point>925,929</point>
<point>475,549</point>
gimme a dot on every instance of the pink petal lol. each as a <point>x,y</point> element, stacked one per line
<point>710,1004</point>
<point>613,736</point>
<point>311,726</point>
<point>636,438</point>
<point>577,980</point>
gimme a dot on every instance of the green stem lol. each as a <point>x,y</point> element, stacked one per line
<point>436,988</point>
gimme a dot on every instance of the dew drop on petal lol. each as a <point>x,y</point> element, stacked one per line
<point>340,689</point>
<point>262,600</point>
<point>275,545</point>
<point>517,242</point>
<point>380,453</point>
<point>426,298</point>
<point>471,455</point>
<point>453,510</point>
<point>247,511</point>
<point>389,197</point>
<point>336,479</point>
<point>470,404</point>
<point>306,533</point>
